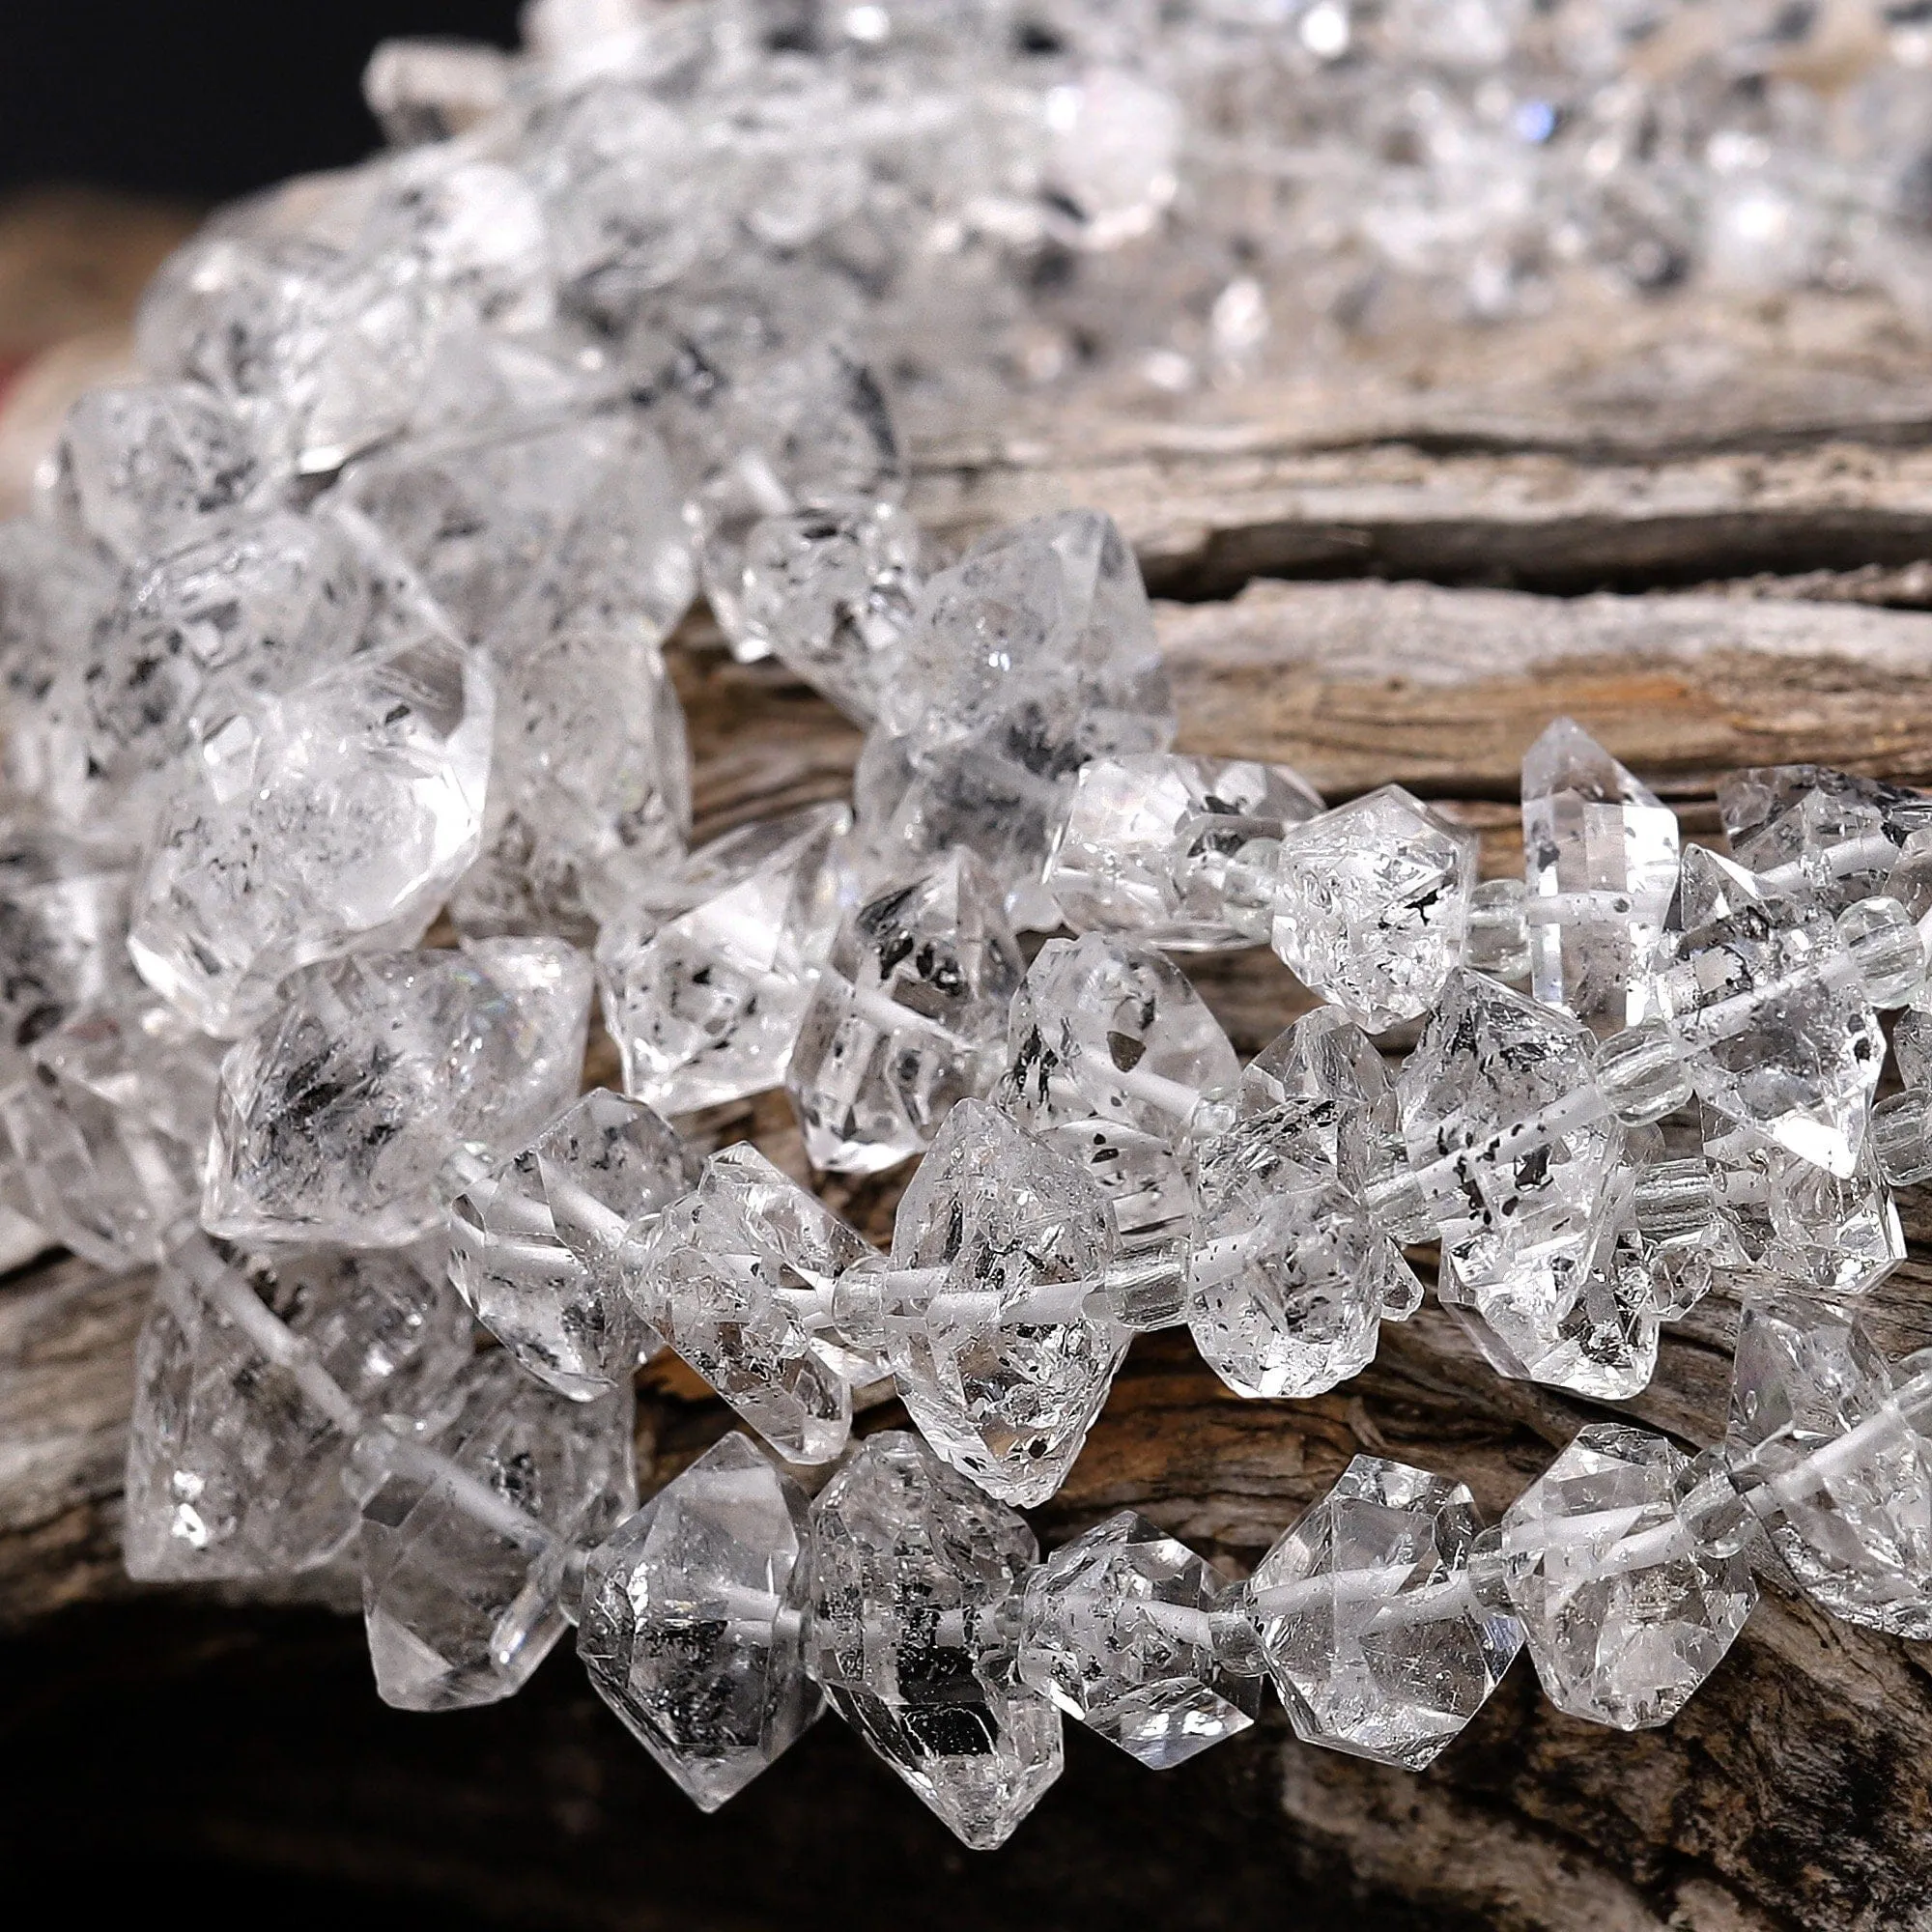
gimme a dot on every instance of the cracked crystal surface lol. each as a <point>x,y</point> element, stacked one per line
<point>1177,851</point>
<point>693,1620</point>
<point>468,1533</point>
<point>1831,1443</point>
<point>739,1277</point>
<point>1626,1610</point>
<point>1372,902</point>
<point>233,1469</point>
<point>345,1116</point>
<point>539,1248</point>
<point>1129,1630</point>
<point>1364,1609</point>
<point>1002,1346</point>
<point>909,1015</point>
<point>913,1591</point>
<point>706,1006</point>
<point>1600,859</point>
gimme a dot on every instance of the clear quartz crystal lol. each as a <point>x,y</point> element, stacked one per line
<point>693,1620</point>
<point>1781,1035</point>
<point>829,593</point>
<point>1364,1609</point>
<point>1129,1630</point>
<point>1179,852</point>
<point>1901,1137</point>
<point>1809,827</point>
<point>234,1468</point>
<point>1600,858</point>
<point>1886,947</point>
<point>740,1276</point>
<point>63,934</point>
<point>469,1531</point>
<point>538,1248</point>
<point>706,1006</point>
<point>909,1015</point>
<point>998,1335</point>
<point>1372,905</point>
<point>914,1576</point>
<point>332,819</point>
<point>1833,1447</point>
<point>1497,942</point>
<point>384,1081</point>
<point>1626,1610</point>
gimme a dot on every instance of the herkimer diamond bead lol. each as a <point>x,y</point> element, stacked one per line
<point>469,1531</point>
<point>1823,832</point>
<point>1625,1605</point>
<point>1832,1446</point>
<point>233,1467</point>
<point>909,1016</point>
<point>693,1620</point>
<point>1372,903</point>
<point>740,1276</point>
<point>1002,1344</point>
<point>386,1081</point>
<point>915,1578</point>
<point>1177,851</point>
<point>1600,857</point>
<point>1365,1612</point>
<point>538,1248</point>
<point>1129,1630</point>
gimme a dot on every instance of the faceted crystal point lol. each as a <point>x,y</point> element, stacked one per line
<point>469,1532</point>
<point>342,1118</point>
<point>1030,657</point>
<point>693,1620</point>
<point>537,1248</point>
<point>1600,858</point>
<point>739,1277</point>
<point>233,1469</point>
<point>1626,1608</point>
<point>330,820</point>
<point>1769,1006</point>
<point>1371,901</point>
<point>1810,828</point>
<point>999,1247</point>
<point>829,593</point>
<point>706,1007</point>
<point>146,467</point>
<point>1837,1466</point>
<point>1177,851</point>
<point>1128,1629</point>
<point>1372,1634</point>
<point>915,1573</point>
<point>908,1017</point>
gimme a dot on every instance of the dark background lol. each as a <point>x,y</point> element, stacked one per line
<point>200,99</point>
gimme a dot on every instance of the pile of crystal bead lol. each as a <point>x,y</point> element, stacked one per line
<point>345,775</point>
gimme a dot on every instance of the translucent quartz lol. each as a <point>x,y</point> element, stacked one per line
<point>1643,1071</point>
<point>1833,1449</point>
<point>1625,1608</point>
<point>1364,1610</point>
<point>1912,1047</point>
<point>144,468</point>
<point>705,1007</point>
<point>1901,1137</point>
<point>332,819</point>
<point>1808,826</point>
<point>468,1534</point>
<point>1033,655</point>
<point>693,1619</point>
<point>235,1467</point>
<point>1372,904</point>
<point>384,1081</point>
<point>1600,857</point>
<point>1129,1630</point>
<point>1002,1352</point>
<point>1886,947</point>
<point>1783,1036</point>
<point>539,1247</point>
<point>909,1015</point>
<point>829,593</point>
<point>1497,942</point>
<point>108,1128</point>
<point>63,936</point>
<point>912,1598</point>
<point>1179,852</point>
<point>739,1277</point>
